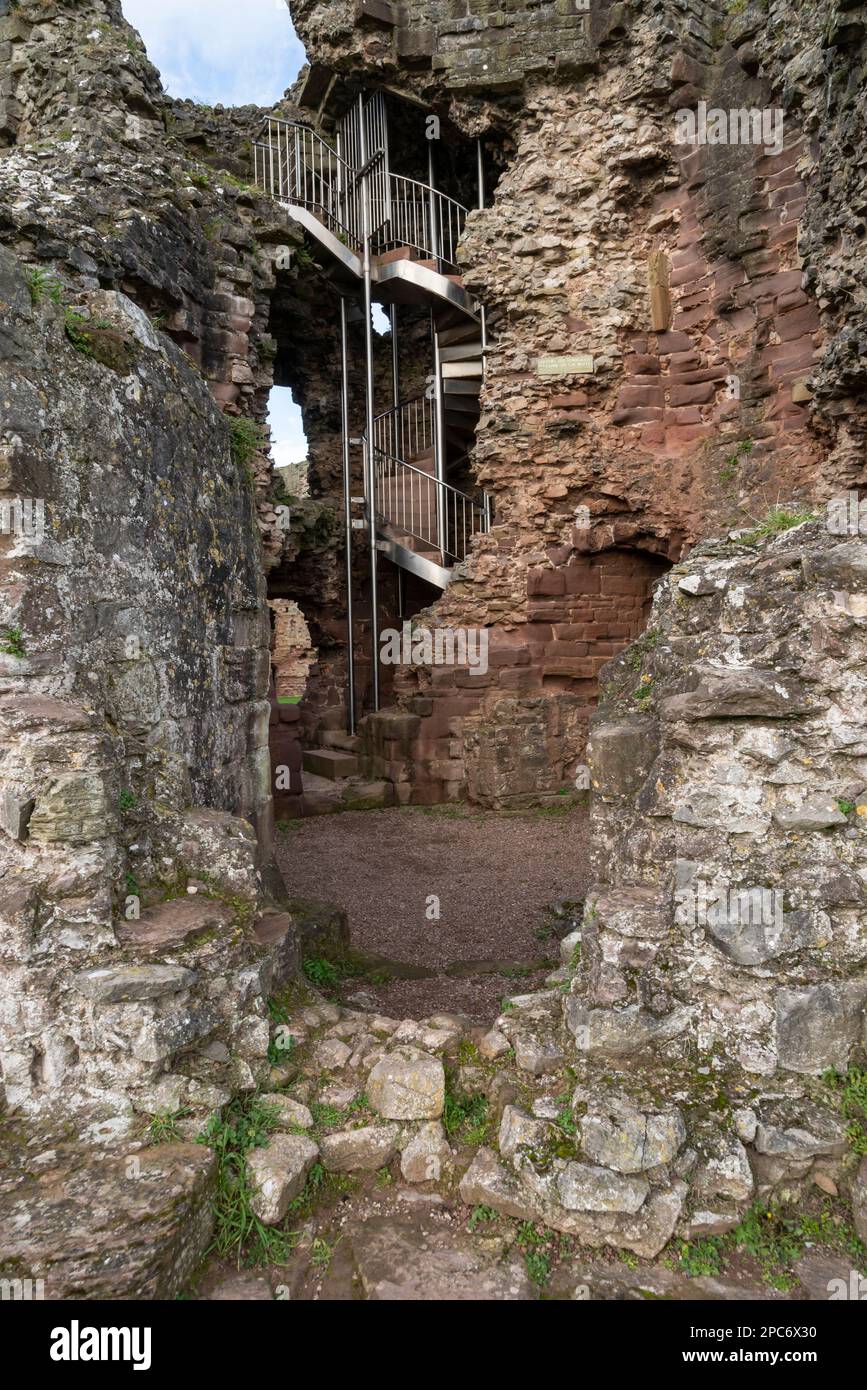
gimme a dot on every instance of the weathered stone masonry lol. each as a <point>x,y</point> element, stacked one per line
<point>697,421</point>
<point>141,929</point>
<point>136,800</point>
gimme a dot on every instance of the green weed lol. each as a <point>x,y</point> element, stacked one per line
<point>42,285</point>
<point>12,643</point>
<point>239,1234</point>
<point>778,520</point>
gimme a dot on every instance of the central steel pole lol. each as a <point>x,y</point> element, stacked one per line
<point>369,455</point>
<point>432,205</point>
<point>439,395</point>
<point>347,510</point>
<point>439,438</point>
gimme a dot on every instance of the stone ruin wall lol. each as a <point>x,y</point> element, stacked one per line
<point>727,390</point>
<point>727,759</point>
<point>140,934</point>
<point>728,748</point>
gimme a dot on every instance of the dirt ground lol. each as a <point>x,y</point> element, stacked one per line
<point>481,895</point>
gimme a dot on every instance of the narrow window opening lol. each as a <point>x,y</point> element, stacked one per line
<point>288,442</point>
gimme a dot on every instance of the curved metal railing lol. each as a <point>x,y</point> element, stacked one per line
<point>296,166</point>
<point>412,500</point>
<point>407,430</point>
<point>410,497</point>
<point>424,219</point>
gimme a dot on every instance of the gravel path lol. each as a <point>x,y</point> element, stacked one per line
<point>495,875</point>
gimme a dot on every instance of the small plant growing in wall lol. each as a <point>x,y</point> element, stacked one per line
<point>12,642</point>
<point>42,286</point>
<point>77,331</point>
<point>163,1128</point>
<point>851,1091</point>
<point>239,1234</point>
<point>126,800</point>
<point>735,459</point>
<point>778,520</point>
<point>98,340</point>
<point>247,437</point>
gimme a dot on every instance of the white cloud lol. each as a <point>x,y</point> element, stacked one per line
<point>220,51</point>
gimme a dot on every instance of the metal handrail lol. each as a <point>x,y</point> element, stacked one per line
<point>296,166</point>
<point>407,429</point>
<point>424,219</point>
<point>408,498</point>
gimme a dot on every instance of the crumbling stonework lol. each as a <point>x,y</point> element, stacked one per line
<point>730,760</point>
<point>137,800</point>
<point>721,966</point>
<point>706,403</point>
<point>679,1066</point>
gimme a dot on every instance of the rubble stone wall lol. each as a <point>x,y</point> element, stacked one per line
<point>136,278</point>
<point>702,280</point>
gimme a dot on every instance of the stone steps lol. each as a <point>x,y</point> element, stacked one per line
<point>330,762</point>
<point>323,796</point>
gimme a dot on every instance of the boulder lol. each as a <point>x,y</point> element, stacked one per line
<point>583,1187</point>
<point>291,1114</point>
<point>536,1054</point>
<point>620,1032</point>
<point>520,1130</point>
<point>398,1262</point>
<point>817,1027</point>
<point>359,1150</point>
<point>124,983</point>
<point>724,1170</point>
<point>119,1227</point>
<point>331,1054</point>
<point>426,1154</point>
<point>629,1140</point>
<point>798,1131</point>
<point>494,1044</point>
<point>278,1172</point>
<point>738,692</point>
<point>407,1085</point>
<point>488,1183</point>
<point>794,812</point>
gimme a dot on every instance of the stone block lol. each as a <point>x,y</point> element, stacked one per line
<point>818,1027</point>
<point>407,1085</point>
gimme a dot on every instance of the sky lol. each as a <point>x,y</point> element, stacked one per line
<point>229,53</point>
<point>232,52</point>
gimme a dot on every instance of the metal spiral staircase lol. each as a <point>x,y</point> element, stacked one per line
<point>396,238</point>
<point>423,523</point>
